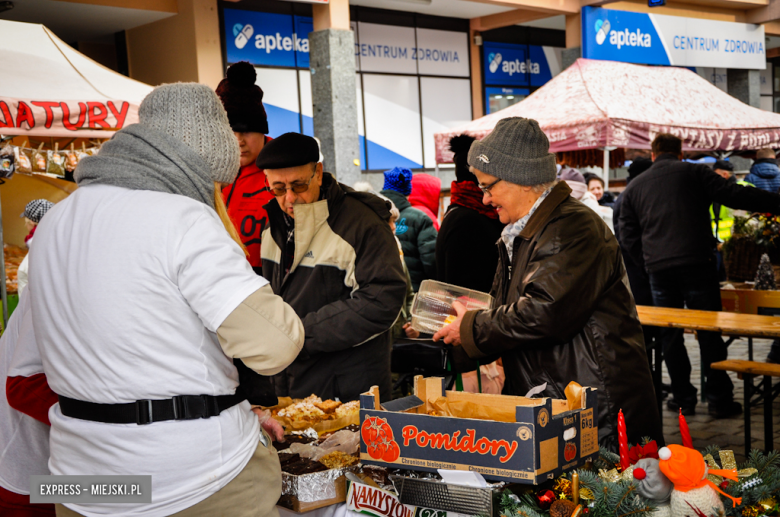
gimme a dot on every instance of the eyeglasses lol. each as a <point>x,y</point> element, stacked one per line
<point>298,188</point>
<point>486,190</point>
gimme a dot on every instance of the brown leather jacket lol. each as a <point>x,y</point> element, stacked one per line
<point>566,313</point>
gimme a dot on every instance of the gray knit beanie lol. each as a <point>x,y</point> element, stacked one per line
<point>516,151</point>
<point>192,113</point>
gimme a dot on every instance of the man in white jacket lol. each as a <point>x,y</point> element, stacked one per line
<point>140,300</point>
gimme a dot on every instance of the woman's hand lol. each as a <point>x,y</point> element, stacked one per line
<point>410,332</point>
<point>270,425</point>
<point>451,333</point>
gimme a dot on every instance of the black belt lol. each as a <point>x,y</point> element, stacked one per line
<point>142,412</point>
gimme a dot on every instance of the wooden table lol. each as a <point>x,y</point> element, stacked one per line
<point>728,323</point>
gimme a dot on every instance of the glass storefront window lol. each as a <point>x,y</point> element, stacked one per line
<point>777,80</point>
<point>499,102</point>
<point>497,99</point>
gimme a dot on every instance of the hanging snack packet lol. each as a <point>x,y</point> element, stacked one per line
<point>56,163</point>
<point>23,159</point>
<point>71,160</point>
<point>7,161</point>
<point>39,160</point>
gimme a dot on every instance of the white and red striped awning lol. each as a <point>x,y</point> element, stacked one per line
<point>595,104</point>
<point>50,89</point>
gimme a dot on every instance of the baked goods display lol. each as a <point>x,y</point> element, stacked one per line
<point>313,465</point>
<point>296,465</point>
<point>350,408</point>
<point>13,257</point>
<point>339,460</point>
<point>322,415</point>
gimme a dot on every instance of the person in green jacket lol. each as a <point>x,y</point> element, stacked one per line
<point>723,216</point>
<point>414,228</point>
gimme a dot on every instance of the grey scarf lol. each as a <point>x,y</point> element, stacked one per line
<point>141,158</point>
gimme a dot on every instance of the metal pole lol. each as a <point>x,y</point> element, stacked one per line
<point>3,292</point>
<point>606,169</point>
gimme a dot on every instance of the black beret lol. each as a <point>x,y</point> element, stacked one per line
<point>289,150</point>
<point>723,165</point>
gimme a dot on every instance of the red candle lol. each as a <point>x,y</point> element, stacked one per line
<point>685,432</point>
<point>623,441</point>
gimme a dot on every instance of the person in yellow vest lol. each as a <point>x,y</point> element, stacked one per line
<point>723,216</point>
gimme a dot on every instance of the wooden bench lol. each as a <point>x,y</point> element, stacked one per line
<point>728,323</point>
<point>746,370</point>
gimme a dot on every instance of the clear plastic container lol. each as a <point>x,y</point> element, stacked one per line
<point>432,307</point>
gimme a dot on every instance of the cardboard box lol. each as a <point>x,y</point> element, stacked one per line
<point>545,439</point>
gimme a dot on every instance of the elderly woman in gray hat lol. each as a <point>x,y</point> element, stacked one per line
<point>140,301</point>
<point>33,213</point>
<point>563,310</point>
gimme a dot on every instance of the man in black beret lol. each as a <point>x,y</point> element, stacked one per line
<point>331,255</point>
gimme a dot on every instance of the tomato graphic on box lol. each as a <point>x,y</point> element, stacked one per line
<point>570,451</point>
<point>378,436</point>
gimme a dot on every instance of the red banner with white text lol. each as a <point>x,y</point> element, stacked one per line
<point>76,119</point>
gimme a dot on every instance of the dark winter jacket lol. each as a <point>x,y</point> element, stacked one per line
<point>764,174</point>
<point>418,239</point>
<point>665,213</point>
<point>347,285</point>
<point>566,314</point>
<point>466,253</point>
<point>637,276</point>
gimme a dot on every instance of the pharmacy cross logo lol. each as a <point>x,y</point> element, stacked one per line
<point>602,30</point>
<point>242,34</point>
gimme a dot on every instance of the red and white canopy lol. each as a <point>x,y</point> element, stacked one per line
<point>50,89</point>
<point>595,104</point>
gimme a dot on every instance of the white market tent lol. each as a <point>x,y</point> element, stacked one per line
<point>597,104</point>
<point>48,89</point>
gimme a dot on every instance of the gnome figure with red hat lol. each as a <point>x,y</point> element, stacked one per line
<point>245,197</point>
<point>694,495</point>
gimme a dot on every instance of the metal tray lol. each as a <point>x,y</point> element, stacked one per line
<point>432,493</point>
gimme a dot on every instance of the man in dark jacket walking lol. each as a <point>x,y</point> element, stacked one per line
<point>764,173</point>
<point>329,253</point>
<point>414,228</point>
<point>563,310</point>
<point>665,225</point>
<point>637,276</point>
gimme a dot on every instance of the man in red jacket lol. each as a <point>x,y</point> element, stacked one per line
<point>245,197</point>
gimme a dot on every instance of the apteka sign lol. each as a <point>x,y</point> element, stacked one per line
<point>656,39</point>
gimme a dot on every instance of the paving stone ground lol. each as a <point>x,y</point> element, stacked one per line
<point>729,432</point>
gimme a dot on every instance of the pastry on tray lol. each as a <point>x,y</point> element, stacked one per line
<point>323,415</point>
<point>296,465</point>
<point>338,459</point>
